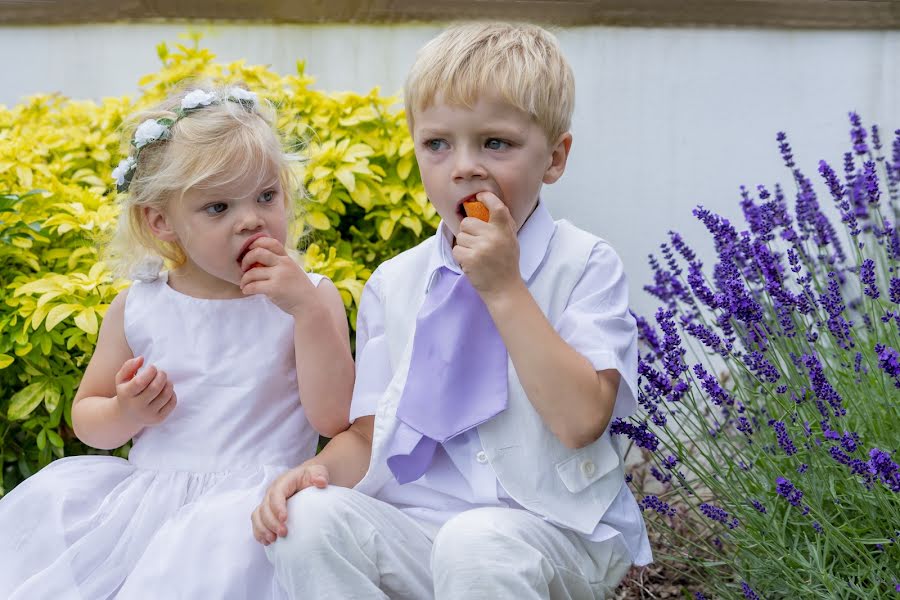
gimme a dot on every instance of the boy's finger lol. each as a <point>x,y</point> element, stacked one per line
<point>498,210</point>
<point>128,369</point>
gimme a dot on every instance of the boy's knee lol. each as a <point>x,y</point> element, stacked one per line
<point>479,536</point>
<point>315,516</point>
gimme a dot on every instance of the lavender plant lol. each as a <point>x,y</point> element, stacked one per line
<point>770,389</point>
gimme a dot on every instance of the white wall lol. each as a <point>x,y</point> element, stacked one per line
<point>665,118</point>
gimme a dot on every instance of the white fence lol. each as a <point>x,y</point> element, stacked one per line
<point>665,118</point>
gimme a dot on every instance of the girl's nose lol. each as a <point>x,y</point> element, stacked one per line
<point>249,220</point>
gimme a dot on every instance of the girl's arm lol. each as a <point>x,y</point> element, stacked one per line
<point>325,370</point>
<point>113,403</point>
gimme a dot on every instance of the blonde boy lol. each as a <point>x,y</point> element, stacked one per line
<point>515,332</point>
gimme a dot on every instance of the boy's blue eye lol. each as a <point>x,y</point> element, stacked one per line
<point>435,145</point>
<point>216,209</point>
<point>495,144</point>
<point>267,196</point>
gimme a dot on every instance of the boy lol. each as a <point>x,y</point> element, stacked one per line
<point>490,360</point>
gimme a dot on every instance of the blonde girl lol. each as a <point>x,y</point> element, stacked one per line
<point>222,369</point>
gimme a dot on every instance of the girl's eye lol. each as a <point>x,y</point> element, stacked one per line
<point>216,209</point>
<point>435,145</point>
<point>267,196</point>
<point>495,144</point>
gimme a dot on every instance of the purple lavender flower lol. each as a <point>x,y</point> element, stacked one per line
<point>818,527</point>
<point>895,290</point>
<point>867,277</point>
<point>883,468</point>
<point>758,506</point>
<point>712,387</point>
<point>640,434</point>
<point>820,385</point>
<point>786,490</point>
<point>659,475</point>
<point>889,361</point>
<point>858,135</point>
<point>651,502</point>
<point>870,179</point>
<point>784,440</point>
<point>749,594</point>
<point>785,148</point>
<point>699,596</point>
<point>802,468</point>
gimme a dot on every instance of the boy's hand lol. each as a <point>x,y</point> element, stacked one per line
<point>489,252</point>
<point>269,270</point>
<point>270,516</point>
<point>145,398</point>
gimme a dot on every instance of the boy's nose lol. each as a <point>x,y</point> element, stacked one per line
<point>467,166</point>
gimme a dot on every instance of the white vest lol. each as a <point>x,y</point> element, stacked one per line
<point>571,487</point>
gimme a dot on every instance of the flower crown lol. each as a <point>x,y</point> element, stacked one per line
<point>154,130</point>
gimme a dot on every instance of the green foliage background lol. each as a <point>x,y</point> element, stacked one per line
<point>366,203</point>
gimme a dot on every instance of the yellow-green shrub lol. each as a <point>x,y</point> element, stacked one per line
<point>366,203</point>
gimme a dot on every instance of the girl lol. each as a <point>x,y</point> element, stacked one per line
<point>203,367</point>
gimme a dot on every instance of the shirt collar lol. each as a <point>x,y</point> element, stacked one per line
<point>534,240</point>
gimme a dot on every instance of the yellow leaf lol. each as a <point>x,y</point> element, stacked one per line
<point>318,221</point>
<point>5,360</point>
<point>346,177</point>
<point>86,321</point>
<point>412,223</point>
<point>59,313</point>
<point>26,177</point>
<point>386,228</point>
<point>404,167</point>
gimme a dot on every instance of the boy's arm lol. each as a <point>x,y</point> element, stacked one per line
<point>101,418</point>
<point>575,400</point>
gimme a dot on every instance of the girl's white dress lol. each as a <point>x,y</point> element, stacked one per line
<point>172,521</point>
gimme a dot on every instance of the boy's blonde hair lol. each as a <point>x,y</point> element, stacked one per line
<point>522,63</point>
<point>211,146</point>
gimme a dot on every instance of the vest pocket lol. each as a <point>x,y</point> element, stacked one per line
<point>588,465</point>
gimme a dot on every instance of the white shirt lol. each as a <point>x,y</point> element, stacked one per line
<point>460,477</point>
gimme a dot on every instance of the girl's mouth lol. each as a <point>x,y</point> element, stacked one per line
<point>246,247</point>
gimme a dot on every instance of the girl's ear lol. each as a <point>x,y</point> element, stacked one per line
<point>559,154</point>
<point>159,225</point>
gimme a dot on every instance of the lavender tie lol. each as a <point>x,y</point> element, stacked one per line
<point>456,379</point>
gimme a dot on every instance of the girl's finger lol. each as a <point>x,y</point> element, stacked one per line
<point>139,382</point>
<point>129,369</point>
<point>270,244</point>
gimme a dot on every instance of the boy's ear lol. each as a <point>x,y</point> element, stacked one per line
<point>558,156</point>
<point>159,225</point>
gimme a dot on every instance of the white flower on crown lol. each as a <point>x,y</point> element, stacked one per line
<point>121,171</point>
<point>197,98</point>
<point>149,131</point>
<point>242,95</point>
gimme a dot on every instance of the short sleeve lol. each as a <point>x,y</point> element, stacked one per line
<point>373,369</point>
<point>597,323</point>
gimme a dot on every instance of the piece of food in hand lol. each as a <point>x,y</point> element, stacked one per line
<point>476,209</point>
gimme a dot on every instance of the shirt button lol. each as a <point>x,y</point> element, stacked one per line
<point>588,468</point>
<point>481,457</point>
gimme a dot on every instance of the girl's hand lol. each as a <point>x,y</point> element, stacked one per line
<point>269,270</point>
<point>270,517</point>
<point>145,398</point>
<point>489,252</point>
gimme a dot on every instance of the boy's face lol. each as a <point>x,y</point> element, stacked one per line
<point>491,147</point>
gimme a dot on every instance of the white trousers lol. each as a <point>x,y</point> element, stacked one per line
<point>342,544</point>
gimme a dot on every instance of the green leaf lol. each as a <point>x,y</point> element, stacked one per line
<point>55,438</point>
<point>25,401</point>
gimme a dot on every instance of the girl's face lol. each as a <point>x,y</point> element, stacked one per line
<point>214,226</point>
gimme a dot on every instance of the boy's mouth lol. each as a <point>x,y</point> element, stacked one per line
<point>460,210</point>
<point>246,247</point>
